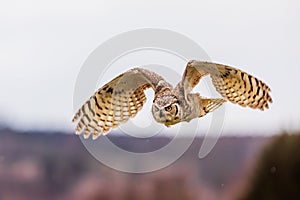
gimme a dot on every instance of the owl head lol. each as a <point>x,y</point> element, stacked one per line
<point>167,110</point>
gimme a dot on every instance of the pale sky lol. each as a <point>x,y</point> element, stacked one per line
<point>43,46</point>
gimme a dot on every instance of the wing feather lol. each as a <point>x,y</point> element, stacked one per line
<point>233,84</point>
<point>115,103</point>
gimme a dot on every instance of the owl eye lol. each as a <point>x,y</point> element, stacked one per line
<point>168,108</point>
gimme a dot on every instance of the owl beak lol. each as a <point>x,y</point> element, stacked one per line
<point>160,114</point>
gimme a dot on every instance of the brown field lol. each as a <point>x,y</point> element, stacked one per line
<point>53,166</point>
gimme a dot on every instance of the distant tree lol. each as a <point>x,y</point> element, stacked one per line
<point>277,174</point>
<point>171,189</point>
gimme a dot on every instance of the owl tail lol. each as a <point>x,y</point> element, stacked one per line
<point>209,105</point>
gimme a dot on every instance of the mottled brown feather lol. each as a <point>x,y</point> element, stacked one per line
<point>233,84</point>
<point>123,97</point>
<point>208,105</point>
<point>115,103</point>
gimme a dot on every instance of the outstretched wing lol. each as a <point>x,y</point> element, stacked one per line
<point>233,84</point>
<point>115,102</point>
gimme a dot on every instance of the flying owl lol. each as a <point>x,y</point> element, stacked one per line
<point>123,97</point>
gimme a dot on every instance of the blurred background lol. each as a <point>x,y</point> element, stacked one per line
<point>43,46</point>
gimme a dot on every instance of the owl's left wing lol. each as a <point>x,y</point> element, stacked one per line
<point>115,102</point>
<point>233,84</point>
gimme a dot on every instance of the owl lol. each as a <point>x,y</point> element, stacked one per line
<point>123,97</point>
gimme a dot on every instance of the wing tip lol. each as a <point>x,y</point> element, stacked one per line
<point>77,115</point>
<point>95,135</point>
<point>74,119</point>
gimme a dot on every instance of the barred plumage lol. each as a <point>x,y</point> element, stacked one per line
<point>233,84</point>
<point>123,97</point>
<point>114,103</point>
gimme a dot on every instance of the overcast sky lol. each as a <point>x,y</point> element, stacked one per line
<point>43,46</point>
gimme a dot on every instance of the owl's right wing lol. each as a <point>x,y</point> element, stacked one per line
<point>115,102</point>
<point>233,84</point>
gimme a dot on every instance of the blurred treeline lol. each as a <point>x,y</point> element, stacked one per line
<point>36,165</point>
<point>277,173</point>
